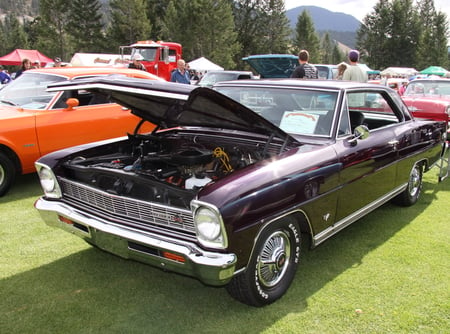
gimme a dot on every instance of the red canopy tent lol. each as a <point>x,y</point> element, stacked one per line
<point>16,57</point>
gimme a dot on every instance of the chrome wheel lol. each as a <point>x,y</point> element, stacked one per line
<point>274,259</point>
<point>271,267</point>
<point>415,181</point>
<point>7,173</point>
<point>2,175</point>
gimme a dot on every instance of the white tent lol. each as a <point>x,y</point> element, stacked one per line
<point>203,64</point>
<point>403,72</point>
<point>99,59</point>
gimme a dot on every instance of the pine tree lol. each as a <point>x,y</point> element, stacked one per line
<point>327,48</point>
<point>401,34</point>
<point>86,30</point>
<point>275,27</point>
<point>204,28</point>
<point>261,26</point>
<point>129,23</point>
<point>54,18</point>
<point>371,36</point>
<point>156,12</point>
<point>14,34</point>
<point>306,37</point>
<point>433,35</point>
<point>442,31</point>
<point>397,33</point>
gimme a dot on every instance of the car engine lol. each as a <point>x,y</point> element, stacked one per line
<point>168,169</point>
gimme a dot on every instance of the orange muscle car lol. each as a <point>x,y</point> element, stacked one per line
<point>34,122</point>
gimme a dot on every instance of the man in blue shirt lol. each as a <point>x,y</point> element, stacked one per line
<point>4,77</point>
<point>181,75</point>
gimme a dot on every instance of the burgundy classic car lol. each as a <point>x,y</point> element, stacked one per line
<point>429,98</point>
<point>234,178</point>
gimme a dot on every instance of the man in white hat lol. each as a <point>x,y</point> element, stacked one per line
<point>137,62</point>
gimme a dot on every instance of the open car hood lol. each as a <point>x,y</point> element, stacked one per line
<point>171,105</point>
<point>273,65</point>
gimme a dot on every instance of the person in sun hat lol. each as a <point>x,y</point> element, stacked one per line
<point>354,72</point>
<point>37,64</point>
<point>57,61</point>
<point>136,62</point>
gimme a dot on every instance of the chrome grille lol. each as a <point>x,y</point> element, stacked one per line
<point>145,212</point>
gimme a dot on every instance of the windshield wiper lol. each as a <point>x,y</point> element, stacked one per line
<point>9,102</point>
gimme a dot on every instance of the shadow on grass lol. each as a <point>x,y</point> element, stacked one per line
<point>24,186</point>
<point>94,292</point>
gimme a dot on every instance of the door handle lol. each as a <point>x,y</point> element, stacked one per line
<point>393,142</point>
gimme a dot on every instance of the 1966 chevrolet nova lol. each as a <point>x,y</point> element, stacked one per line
<point>232,178</point>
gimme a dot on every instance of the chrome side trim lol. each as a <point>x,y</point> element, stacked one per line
<point>343,223</point>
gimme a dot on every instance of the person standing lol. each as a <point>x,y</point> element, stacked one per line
<point>354,72</point>
<point>137,58</point>
<point>57,62</point>
<point>181,75</point>
<point>26,65</point>
<point>341,69</point>
<point>305,70</point>
<point>4,77</point>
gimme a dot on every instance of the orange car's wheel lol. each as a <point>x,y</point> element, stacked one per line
<point>7,173</point>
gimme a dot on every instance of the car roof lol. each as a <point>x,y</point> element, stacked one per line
<point>72,72</point>
<point>315,83</point>
<point>430,80</point>
<point>227,71</point>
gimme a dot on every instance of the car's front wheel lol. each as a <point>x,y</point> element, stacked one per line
<point>272,266</point>
<point>7,173</point>
<point>414,188</point>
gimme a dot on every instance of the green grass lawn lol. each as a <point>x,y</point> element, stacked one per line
<point>387,273</point>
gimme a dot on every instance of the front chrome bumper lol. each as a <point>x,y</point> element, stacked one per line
<point>183,257</point>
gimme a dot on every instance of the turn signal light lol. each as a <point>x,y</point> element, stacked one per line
<point>174,257</point>
<point>65,220</point>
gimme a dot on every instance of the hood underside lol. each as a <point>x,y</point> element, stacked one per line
<point>273,65</point>
<point>171,105</point>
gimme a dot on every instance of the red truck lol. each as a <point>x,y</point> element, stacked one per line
<point>159,58</point>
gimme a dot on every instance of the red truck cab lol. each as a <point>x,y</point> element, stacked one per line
<point>159,58</point>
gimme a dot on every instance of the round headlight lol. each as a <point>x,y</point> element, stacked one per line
<point>47,180</point>
<point>208,224</point>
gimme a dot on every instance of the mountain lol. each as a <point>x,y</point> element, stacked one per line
<point>341,27</point>
<point>324,19</point>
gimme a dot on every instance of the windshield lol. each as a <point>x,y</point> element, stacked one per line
<point>424,87</point>
<point>149,54</point>
<point>326,72</point>
<point>29,90</point>
<point>302,112</point>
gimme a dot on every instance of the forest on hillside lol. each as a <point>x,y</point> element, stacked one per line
<point>223,31</point>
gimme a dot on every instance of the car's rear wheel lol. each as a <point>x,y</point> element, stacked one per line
<point>7,173</point>
<point>272,266</point>
<point>414,188</point>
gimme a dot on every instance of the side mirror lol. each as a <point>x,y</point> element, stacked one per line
<point>165,52</point>
<point>72,103</point>
<point>361,132</point>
